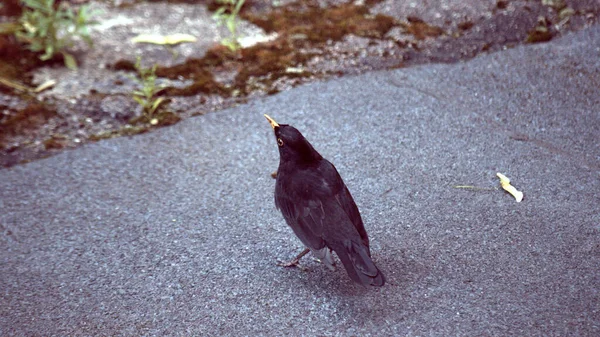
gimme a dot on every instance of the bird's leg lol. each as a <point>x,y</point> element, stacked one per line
<point>296,261</point>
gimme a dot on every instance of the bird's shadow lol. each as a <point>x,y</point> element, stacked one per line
<point>367,305</point>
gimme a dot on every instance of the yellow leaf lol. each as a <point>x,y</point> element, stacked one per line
<point>164,39</point>
<point>46,85</point>
<point>70,61</point>
<point>505,183</point>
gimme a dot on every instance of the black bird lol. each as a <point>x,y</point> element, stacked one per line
<point>317,205</point>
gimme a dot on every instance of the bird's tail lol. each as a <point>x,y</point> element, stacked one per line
<point>356,259</point>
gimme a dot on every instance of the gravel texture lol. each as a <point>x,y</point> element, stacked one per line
<point>175,232</point>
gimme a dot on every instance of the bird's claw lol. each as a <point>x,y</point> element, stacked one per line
<point>295,263</point>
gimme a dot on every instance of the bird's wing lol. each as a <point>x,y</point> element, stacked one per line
<point>345,200</point>
<point>313,199</point>
<point>302,207</point>
<point>305,218</point>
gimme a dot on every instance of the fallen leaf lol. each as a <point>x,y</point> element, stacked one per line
<point>46,85</point>
<point>249,41</point>
<point>164,39</point>
<point>505,183</point>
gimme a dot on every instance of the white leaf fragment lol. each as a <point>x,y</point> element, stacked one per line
<point>505,183</point>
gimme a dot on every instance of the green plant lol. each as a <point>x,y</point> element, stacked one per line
<point>146,97</point>
<point>51,29</point>
<point>227,15</point>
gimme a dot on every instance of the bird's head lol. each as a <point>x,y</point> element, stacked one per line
<point>292,145</point>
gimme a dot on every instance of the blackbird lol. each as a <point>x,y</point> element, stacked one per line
<point>318,207</point>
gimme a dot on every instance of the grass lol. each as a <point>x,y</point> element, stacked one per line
<point>147,96</point>
<point>227,15</point>
<point>52,29</point>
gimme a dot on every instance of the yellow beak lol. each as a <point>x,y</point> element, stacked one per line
<point>272,122</point>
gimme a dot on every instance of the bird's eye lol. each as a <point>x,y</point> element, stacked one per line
<point>279,142</point>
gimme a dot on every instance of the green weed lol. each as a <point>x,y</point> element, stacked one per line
<point>52,30</point>
<point>147,97</point>
<point>227,15</point>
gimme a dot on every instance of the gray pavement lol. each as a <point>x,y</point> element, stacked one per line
<point>175,232</point>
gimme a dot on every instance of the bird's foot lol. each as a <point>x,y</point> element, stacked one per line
<point>295,262</point>
<point>291,264</point>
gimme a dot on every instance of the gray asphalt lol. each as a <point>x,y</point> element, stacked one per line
<point>175,232</point>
